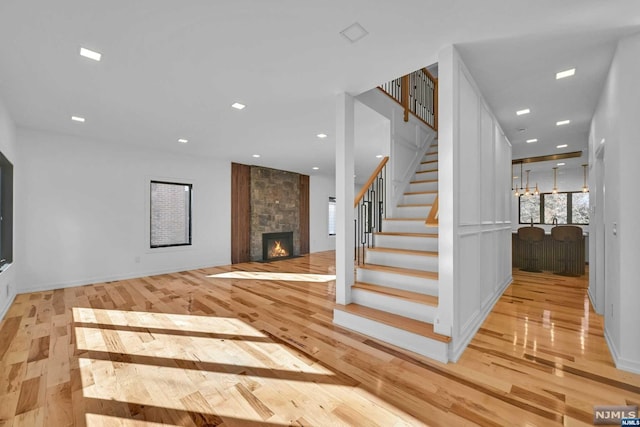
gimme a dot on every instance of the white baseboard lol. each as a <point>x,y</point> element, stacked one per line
<point>5,308</point>
<point>459,344</point>
<point>104,279</point>
<point>620,362</point>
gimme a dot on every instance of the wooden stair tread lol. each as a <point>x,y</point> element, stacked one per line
<point>411,325</point>
<point>428,161</point>
<point>398,293</point>
<point>409,193</point>
<point>404,219</point>
<point>398,233</point>
<point>417,172</point>
<point>422,181</point>
<point>403,251</point>
<point>402,271</point>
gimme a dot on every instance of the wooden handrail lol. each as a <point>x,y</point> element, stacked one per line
<point>432,219</point>
<point>428,73</point>
<point>372,178</point>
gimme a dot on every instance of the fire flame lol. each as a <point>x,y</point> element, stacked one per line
<point>278,250</point>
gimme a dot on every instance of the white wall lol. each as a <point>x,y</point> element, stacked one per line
<point>321,188</point>
<point>474,159</point>
<point>8,148</point>
<point>84,211</point>
<point>616,122</point>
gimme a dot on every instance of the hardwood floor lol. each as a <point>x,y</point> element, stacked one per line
<point>254,345</point>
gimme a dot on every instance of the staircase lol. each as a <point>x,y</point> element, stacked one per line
<point>395,296</point>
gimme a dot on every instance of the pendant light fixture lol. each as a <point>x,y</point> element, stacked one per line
<point>585,189</point>
<point>519,191</point>
<point>555,183</point>
<point>536,192</point>
<point>526,190</point>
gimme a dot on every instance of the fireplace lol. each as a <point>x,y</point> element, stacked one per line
<point>277,245</point>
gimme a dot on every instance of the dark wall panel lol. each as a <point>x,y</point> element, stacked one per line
<point>240,213</point>
<point>304,214</point>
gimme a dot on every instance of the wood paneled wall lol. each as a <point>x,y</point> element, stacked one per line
<point>549,255</point>
<point>304,214</point>
<point>240,213</point>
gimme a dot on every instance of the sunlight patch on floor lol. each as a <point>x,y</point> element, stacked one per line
<point>262,275</point>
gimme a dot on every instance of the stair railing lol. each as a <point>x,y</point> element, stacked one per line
<point>432,219</point>
<point>370,210</point>
<point>418,94</point>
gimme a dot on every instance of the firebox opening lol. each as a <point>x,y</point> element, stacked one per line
<point>277,246</point>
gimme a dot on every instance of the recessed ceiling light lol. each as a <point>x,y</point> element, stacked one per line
<point>256,155</point>
<point>183,141</point>
<point>379,156</point>
<point>321,135</point>
<point>561,164</point>
<point>565,73</point>
<point>563,122</point>
<point>521,112</point>
<point>529,141</point>
<point>77,119</point>
<point>522,129</point>
<point>562,146</point>
<point>315,168</point>
<point>87,53</point>
<point>238,106</point>
<point>515,177</point>
<point>354,32</point>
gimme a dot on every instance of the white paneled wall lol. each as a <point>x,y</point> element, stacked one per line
<point>615,151</point>
<point>475,209</point>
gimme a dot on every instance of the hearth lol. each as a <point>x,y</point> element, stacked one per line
<point>277,246</point>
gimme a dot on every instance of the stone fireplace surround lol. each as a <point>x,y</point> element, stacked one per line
<point>275,206</point>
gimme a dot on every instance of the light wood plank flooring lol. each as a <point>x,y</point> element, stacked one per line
<point>254,345</point>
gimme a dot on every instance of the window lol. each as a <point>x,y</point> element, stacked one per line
<point>332,216</point>
<point>6,211</point>
<point>170,214</point>
<point>555,208</point>
<point>530,209</point>
<point>564,208</point>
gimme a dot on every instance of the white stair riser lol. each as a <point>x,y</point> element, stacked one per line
<point>408,227</point>
<point>417,343</point>
<point>401,307</point>
<point>427,166</point>
<point>428,198</point>
<point>412,211</point>
<point>421,176</point>
<point>398,281</point>
<point>390,259</point>
<point>422,186</point>
<point>429,156</point>
<point>406,242</point>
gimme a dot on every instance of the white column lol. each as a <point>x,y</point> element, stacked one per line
<point>345,227</point>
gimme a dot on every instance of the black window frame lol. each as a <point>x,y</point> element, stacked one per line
<point>6,212</point>
<point>542,218</point>
<point>190,214</point>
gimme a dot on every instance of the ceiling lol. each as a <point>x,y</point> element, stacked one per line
<point>172,70</point>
